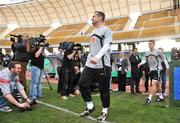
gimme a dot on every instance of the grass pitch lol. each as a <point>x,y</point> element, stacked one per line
<point>125,108</point>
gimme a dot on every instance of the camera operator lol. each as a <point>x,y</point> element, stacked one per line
<point>21,49</point>
<point>37,65</point>
<point>9,81</point>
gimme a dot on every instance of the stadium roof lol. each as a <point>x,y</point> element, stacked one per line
<point>46,12</point>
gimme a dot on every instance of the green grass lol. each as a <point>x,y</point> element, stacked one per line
<point>40,114</point>
<point>125,108</point>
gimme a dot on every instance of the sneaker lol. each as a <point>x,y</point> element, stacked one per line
<point>87,112</point>
<point>164,94</point>
<point>159,100</point>
<point>71,95</point>
<point>32,102</point>
<point>148,101</point>
<point>157,94</point>
<point>64,97</point>
<point>77,92</point>
<point>102,116</point>
<point>5,109</point>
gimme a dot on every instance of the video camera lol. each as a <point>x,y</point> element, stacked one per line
<point>33,102</point>
<point>70,46</point>
<point>35,42</point>
<point>19,38</point>
<point>77,47</point>
<point>5,59</point>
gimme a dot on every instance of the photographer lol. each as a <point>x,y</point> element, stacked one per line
<point>77,71</point>
<point>9,81</point>
<point>67,74</point>
<point>37,65</point>
<point>21,49</point>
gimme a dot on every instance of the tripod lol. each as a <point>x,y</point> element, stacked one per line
<point>50,87</point>
<point>47,79</point>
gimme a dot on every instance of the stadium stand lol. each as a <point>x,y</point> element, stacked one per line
<point>67,30</point>
<point>157,31</point>
<point>159,22</point>
<point>126,35</point>
<point>32,31</point>
<point>114,24</point>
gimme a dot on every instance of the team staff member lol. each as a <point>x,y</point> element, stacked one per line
<point>135,71</point>
<point>94,66</point>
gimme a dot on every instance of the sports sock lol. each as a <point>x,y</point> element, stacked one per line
<point>90,105</point>
<point>150,97</point>
<point>105,110</point>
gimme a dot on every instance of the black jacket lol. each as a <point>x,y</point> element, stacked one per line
<point>124,65</point>
<point>67,62</point>
<point>37,61</point>
<point>135,60</point>
<point>20,52</point>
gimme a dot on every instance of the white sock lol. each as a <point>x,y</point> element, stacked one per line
<point>105,110</point>
<point>150,96</point>
<point>90,105</point>
<point>161,96</point>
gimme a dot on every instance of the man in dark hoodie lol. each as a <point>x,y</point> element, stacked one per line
<point>21,54</point>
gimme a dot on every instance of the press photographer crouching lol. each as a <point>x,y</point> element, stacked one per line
<point>9,81</point>
<point>21,48</point>
<point>37,65</point>
<point>70,70</point>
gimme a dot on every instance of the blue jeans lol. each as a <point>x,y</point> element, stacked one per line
<point>35,84</point>
<point>3,101</point>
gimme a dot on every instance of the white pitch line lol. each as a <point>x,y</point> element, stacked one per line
<point>68,111</point>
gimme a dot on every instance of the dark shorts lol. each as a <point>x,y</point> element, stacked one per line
<point>155,75</point>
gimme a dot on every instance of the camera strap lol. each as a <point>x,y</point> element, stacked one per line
<point>101,42</point>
